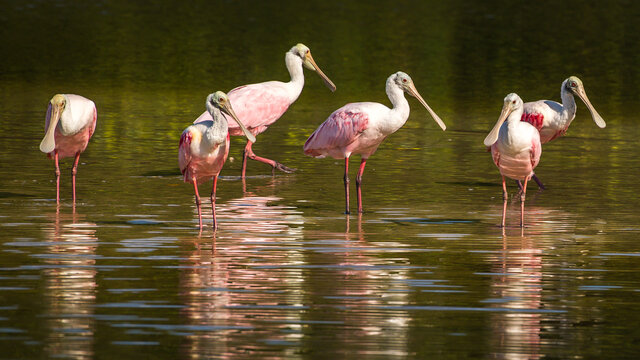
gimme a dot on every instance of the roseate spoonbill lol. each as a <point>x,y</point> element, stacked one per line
<point>260,105</point>
<point>69,124</point>
<point>552,119</point>
<point>359,128</point>
<point>204,148</point>
<point>515,148</point>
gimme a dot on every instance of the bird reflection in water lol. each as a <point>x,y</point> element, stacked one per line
<point>236,277</point>
<point>70,286</point>
<point>517,285</point>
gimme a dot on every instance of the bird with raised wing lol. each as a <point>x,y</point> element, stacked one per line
<point>359,128</point>
<point>259,105</point>
<point>204,148</point>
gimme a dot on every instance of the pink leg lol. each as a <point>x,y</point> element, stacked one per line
<point>346,185</point>
<point>244,158</point>
<point>74,171</point>
<point>195,188</point>
<point>55,158</point>
<point>213,202</point>
<point>363,162</point>
<point>505,196</point>
<point>522,197</point>
<point>248,152</point>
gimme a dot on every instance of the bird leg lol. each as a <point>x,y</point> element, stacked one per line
<point>213,202</point>
<point>195,188</point>
<point>55,158</point>
<point>505,196</point>
<point>248,152</point>
<point>522,197</point>
<point>74,171</point>
<point>346,184</point>
<point>540,185</point>
<point>363,162</point>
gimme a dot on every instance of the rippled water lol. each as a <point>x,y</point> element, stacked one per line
<point>425,273</point>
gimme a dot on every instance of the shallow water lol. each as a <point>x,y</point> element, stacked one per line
<point>425,272</point>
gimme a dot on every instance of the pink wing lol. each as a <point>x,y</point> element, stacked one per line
<point>257,106</point>
<point>339,130</point>
<point>535,119</point>
<point>536,151</point>
<point>184,151</point>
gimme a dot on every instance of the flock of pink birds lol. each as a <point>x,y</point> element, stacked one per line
<point>356,128</point>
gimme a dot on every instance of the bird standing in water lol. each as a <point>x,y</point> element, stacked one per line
<point>552,119</point>
<point>69,124</point>
<point>260,105</point>
<point>515,148</point>
<point>204,148</point>
<point>359,128</point>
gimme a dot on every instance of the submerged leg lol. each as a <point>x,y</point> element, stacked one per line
<point>74,171</point>
<point>55,158</point>
<point>346,185</point>
<point>248,152</point>
<point>540,185</point>
<point>522,197</point>
<point>195,188</point>
<point>213,202</point>
<point>363,162</point>
<point>505,196</point>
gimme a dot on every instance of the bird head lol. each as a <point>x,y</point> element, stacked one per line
<point>303,52</point>
<point>512,102</point>
<point>574,86</point>
<point>404,82</point>
<point>220,101</point>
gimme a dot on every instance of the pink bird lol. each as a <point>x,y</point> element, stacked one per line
<point>69,124</point>
<point>515,148</point>
<point>204,148</point>
<point>260,105</point>
<point>359,128</point>
<point>553,119</point>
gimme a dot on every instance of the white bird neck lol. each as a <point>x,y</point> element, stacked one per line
<point>294,65</point>
<point>217,132</point>
<point>400,103</point>
<point>568,104</point>
<point>515,117</point>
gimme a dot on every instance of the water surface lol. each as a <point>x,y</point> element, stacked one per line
<point>425,272</point>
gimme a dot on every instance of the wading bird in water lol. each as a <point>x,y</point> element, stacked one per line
<point>260,105</point>
<point>359,128</point>
<point>515,148</point>
<point>204,148</point>
<point>552,119</point>
<point>69,124</point>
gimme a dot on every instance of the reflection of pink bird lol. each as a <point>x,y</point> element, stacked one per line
<point>204,148</point>
<point>515,147</point>
<point>553,119</point>
<point>260,105</point>
<point>70,123</point>
<point>359,128</point>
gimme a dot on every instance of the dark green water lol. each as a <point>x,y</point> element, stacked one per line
<point>424,273</point>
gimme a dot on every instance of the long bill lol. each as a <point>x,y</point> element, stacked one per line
<point>414,92</point>
<point>493,135</point>
<point>310,64</point>
<point>48,143</point>
<point>229,110</point>
<point>594,114</point>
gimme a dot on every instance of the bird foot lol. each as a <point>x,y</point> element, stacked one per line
<point>284,168</point>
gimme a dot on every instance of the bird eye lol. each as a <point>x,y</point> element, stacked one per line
<point>513,102</point>
<point>404,80</point>
<point>573,84</point>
